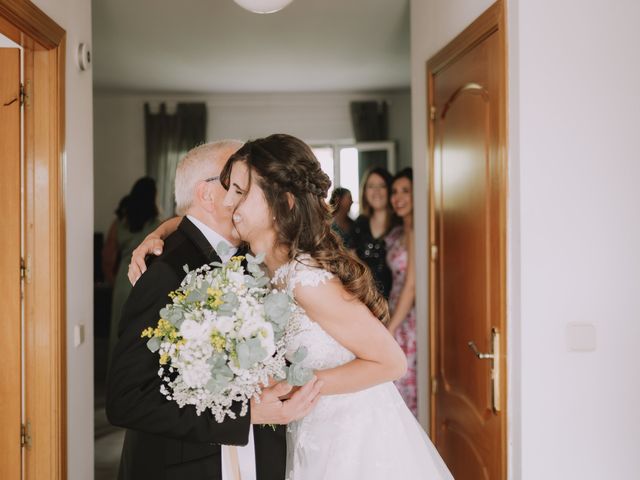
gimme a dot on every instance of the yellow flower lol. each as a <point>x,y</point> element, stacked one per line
<point>147,333</point>
<point>164,359</point>
<point>218,342</point>
<point>214,292</point>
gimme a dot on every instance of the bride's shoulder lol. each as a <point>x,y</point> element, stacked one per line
<point>302,271</point>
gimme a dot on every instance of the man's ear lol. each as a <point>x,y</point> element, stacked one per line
<point>291,200</point>
<point>204,192</point>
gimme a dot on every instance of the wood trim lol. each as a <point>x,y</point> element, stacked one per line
<point>45,401</point>
<point>493,20</point>
<point>30,21</point>
<point>486,24</point>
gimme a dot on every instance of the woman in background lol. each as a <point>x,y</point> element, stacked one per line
<point>140,218</point>
<point>373,224</point>
<point>110,253</point>
<point>340,203</point>
<point>400,258</point>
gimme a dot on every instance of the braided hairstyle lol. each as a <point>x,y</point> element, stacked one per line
<point>283,164</point>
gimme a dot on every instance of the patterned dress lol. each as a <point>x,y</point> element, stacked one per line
<point>397,259</point>
<point>372,251</point>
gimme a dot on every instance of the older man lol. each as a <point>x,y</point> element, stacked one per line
<point>164,441</point>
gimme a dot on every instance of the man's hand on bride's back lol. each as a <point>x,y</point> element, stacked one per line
<point>272,410</point>
<point>152,245</point>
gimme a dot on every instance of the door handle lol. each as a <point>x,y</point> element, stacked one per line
<point>494,356</point>
<point>9,103</point>
<point>477,353</point>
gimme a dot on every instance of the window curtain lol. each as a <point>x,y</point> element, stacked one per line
<point>169,136</point>
<point>370,121</point>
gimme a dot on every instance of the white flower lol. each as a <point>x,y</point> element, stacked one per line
<point>192,330</point>
<point>237,278</point>
<point>196,374</point>
<point>267,339</point>
<point>224,324</point>
<point>250,327</point>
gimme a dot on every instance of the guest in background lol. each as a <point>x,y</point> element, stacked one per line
<point>340,203</point>
<point>370,228</point>
<point>140,218</point>
<point>110,253</point>
<point>400,258</point>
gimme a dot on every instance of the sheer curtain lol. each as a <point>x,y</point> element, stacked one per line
<point>168,137</point>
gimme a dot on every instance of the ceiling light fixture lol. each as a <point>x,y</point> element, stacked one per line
<point>263,6</point>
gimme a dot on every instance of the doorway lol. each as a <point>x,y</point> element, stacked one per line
<point>467,155</point>
<point>32,264</point>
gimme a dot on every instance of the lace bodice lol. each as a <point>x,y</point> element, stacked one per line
<point>323,351</point>
<point>369,434</point>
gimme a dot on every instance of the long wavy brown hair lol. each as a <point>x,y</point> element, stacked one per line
<point>282,164</point>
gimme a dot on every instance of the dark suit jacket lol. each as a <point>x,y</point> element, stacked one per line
<point>164,441</point>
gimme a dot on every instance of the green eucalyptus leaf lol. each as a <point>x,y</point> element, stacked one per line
<point>297,375</point>
<point>250,352</point>
<point>222,249</point>
<point>153,344</point>
<point>299,355</point>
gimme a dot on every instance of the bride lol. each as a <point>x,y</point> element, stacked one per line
<point>360,427</point>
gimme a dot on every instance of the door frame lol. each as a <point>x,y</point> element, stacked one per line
<point>492,21</point>
<point>45,405</point>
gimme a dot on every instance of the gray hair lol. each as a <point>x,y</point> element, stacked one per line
<point>199,164</point>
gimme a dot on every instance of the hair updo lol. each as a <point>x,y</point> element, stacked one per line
<point>285,167</point>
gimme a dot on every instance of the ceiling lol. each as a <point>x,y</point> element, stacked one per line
<point>216,46</point>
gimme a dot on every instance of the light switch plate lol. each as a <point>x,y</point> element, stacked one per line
<point>78,335</point>
<point>581,337</point>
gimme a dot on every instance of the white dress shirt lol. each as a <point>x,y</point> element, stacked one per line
<point>214,238</point>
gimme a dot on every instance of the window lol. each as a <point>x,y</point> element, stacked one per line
<point>346,163</point>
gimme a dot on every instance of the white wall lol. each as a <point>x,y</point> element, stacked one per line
<point>119,129</point>
<point>75,17</point>
<point>578,103</point>
<point>573,226</point>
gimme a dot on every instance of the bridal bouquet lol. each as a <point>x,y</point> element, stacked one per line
<point>223,337</point>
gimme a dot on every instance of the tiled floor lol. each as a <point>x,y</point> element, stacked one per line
<point>108,439</point>
<point>108,446</point>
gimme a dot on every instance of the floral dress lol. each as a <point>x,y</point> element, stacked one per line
<point>397,259</point>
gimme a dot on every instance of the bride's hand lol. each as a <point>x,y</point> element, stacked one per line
<point>290,394</point>
<point>272,382</point>
<point>271,410</point>
<point>152,245</point>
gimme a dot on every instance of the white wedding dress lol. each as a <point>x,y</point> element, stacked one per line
<point>369,434</point>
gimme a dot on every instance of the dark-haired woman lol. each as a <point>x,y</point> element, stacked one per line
<point>400,258</point>
<point>360,427</point>
<point>140,217</point>
<point>372,226</point>
<point>340,202</point>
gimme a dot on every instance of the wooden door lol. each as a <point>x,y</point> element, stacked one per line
<point>467,234</point>
<point>44,332</point>
<point>10,251</point>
